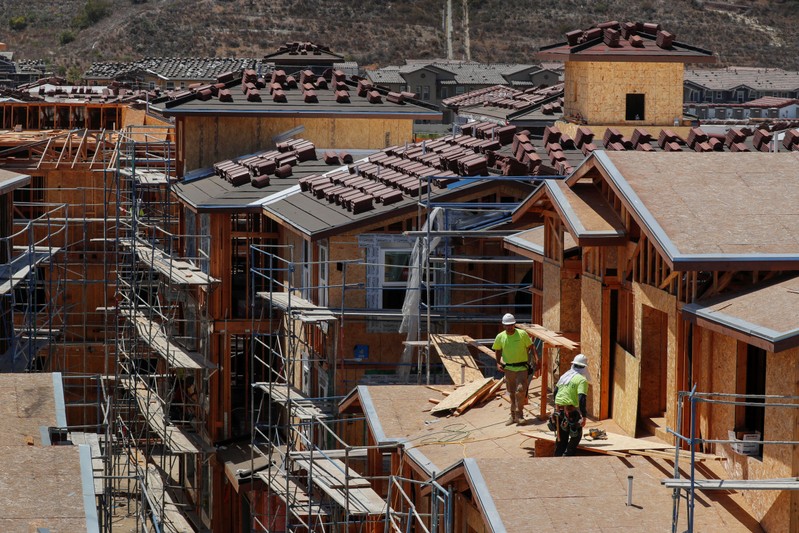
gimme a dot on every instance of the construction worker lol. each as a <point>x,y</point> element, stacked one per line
<point>570,396</point>
<point>515,356</point>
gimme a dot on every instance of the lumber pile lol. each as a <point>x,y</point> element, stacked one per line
<point>457,357</point>
<point>467,396</point>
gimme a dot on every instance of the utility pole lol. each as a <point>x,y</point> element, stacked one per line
<point>466,45</point>
<point>449,29</point>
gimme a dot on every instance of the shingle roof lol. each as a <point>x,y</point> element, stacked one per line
<point>388,75</point>
<point>758,79</point>
<point>282,95</point>
<point>304,51</point>
<point>174,68</point>
<point>464,72</point>
<point>506,98</point>
<point>630,41</point>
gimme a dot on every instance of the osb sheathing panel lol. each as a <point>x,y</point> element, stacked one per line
<point>345,248</point>
<point>133,117</point>
<point>662,301</point>
<point>718,357</point>
<point>777,511</point>
<point>591,337</point>
<point>551,299</point>
<point>626,373</point>
<point>211,139</point>
<point>598,91</point>
<point>570,306</point>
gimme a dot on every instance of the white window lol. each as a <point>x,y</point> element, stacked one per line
<point>426,92</point>
<point>323,274</point>
<point>719,96</point>
<point>460,89</point>
<point>394,273</point>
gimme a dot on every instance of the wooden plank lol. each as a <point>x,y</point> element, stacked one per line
<point>294,496</point>
<point>331,472</point>
<point>475,399</point>
<point>614,442</point>
<point>554,339</point>
<point>20,267</point>
<point>178,271</point>
<point>485,349</point>
<point>458,396</point>
<point>172,520</point>
<point>175,356</point>
<point>456,357</point>
<point>152,409</point>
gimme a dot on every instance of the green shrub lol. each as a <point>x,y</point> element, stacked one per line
<point>18,23</point>
<point>93,12</point>
<point>66,37</point>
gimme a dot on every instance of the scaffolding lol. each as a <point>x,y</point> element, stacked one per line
<point>161,372</point>
<point>684,489</point>
<point>310,475</point>
<point>32,289</point>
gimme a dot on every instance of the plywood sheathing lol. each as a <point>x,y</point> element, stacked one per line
<point>597,91</point>
<point>457,358</point>
<point>716,368</point>
<point>552,296</point>
<point>41,489</point>
<point>591,338</point>
<point>626,372</point>
<point>26,403</point>
<point>592,493</point>
<point>666,303</point>
<point>209,139</point>
<point>616,442</point>
<point>404,413</point>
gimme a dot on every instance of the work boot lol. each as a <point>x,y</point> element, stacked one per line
<point>512,420</point>
<point>520,418</point>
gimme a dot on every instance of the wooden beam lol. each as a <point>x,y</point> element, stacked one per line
<point>666,282</point>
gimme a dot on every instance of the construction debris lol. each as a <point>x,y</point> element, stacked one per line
<point>464,397</point>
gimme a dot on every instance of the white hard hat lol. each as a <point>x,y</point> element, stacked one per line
<point>580,360</point>
<point>508,319</point>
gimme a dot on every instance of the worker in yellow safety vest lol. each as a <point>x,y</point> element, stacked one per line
<point>516,357</point>
<point>570,398</point>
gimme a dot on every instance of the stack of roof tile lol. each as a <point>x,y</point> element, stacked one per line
<point>255,169</point>
<point>399,171</point>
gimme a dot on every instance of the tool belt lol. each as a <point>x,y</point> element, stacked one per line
<point>568,417</point>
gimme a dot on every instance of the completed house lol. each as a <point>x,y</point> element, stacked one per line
<point>435,80</point>
<point>736,85</point>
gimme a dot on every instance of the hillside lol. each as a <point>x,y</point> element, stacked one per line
<point>380,32</point>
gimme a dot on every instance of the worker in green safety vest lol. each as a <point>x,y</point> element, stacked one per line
<point>570,406</point>
<point>516,357</point>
